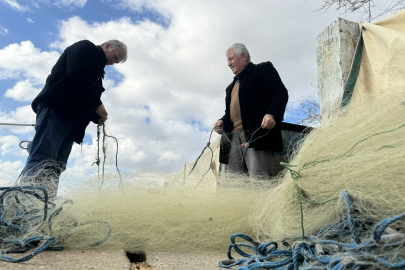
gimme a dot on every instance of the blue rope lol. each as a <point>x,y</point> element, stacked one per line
<point>29,219</point>
<point>303,255</point>
<point>43,247</point>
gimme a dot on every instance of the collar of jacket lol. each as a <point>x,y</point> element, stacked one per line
<point>245,71</point>
<point>101,61</point>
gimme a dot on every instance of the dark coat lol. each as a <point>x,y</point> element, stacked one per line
<point>74,86</point>
<point>261,92</point>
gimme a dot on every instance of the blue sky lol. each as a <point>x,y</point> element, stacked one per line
<point>39,24</point>
<point>163,101</point>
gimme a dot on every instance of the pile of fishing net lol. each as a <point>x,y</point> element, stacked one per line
<point>140,211</point>
<point>360,152</point>
<point>340,203</point>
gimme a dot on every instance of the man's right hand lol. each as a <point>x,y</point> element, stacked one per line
<point>219,126</point>
<point>100,110</point>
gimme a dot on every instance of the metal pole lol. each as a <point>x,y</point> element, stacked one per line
<point>9,124</point>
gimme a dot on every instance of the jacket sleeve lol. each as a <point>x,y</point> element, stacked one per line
<point>226,118</point>
<point>278,94</point>
<point>79,62</point>
<point>94,117</point>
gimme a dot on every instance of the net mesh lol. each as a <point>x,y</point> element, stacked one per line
<point>359,150</point>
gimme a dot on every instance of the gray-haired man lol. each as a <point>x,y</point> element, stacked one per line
<point>255,104</point>
<point>68,102</point>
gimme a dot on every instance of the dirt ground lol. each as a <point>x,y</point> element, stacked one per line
<point>141,266</point>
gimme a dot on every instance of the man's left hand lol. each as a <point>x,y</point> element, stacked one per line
<point>268,122</point>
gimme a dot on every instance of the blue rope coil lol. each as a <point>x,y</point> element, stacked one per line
<point>28,219</point>
<point>308,253</point>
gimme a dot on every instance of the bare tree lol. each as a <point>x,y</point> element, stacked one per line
<point>362,6</point>
<point>306,110</point>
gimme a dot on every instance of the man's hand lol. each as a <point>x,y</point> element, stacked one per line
<point>100,110</point>
<point>219,126</point>
<point>268,122</point>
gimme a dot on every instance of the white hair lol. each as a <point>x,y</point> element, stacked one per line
<point>116,45</point>
<point>238,48</point>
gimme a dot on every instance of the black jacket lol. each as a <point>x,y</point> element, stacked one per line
<point>74,86</point>
<point>261,92</point>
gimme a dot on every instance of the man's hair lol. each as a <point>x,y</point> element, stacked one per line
<point>117,45</point>
<point>239,48</point>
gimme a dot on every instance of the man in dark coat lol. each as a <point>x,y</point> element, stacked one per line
<point>255,105</point>
<point>68,102</point>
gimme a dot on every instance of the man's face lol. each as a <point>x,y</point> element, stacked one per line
<point>113,57</point>
<point>236,63</point>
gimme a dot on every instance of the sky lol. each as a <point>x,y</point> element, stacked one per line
<point>163,101</point>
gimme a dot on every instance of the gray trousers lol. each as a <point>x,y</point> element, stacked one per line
<point>258,163</point>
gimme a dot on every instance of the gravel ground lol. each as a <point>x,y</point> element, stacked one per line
<point>72,260</point>
<point>115,260</point>
<point>141,266</point>
<point>201,261</point>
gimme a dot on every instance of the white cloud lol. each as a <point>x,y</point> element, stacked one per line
<point>15,5</point>
<point>10,145</point>
<point>3,31</point>
<point>23,91</point>
<point>176,74</point>
<point>62,4</point>
<point>7,169</point>
<point>30,20</point>
<point>180,73</point>
<point>25,61</point>
<point>70,3</point>
<point>6,182</point>
<point>21,115</point>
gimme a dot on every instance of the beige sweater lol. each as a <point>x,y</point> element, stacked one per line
<point>236,116</point>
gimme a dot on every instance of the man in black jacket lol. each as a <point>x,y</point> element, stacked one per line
<point>255,105</point>
<point>68,102</point>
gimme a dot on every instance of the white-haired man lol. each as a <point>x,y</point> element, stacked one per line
<point>68,102</point>
<point>255,105</point>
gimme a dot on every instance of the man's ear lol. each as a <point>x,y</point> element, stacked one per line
<point>107,45</point>
<point>244,56</point>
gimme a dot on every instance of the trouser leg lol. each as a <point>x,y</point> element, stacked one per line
<point>66,148</point>
<point>236,163</point>
<point>50,150</point>
<point>259,163</point>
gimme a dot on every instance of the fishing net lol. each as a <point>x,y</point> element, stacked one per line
<point>112,207</point>
<point>358,152</point>
<point>198,208</point>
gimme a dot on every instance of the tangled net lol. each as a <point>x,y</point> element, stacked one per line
<point>359,150</point>
<point>336,246</point>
